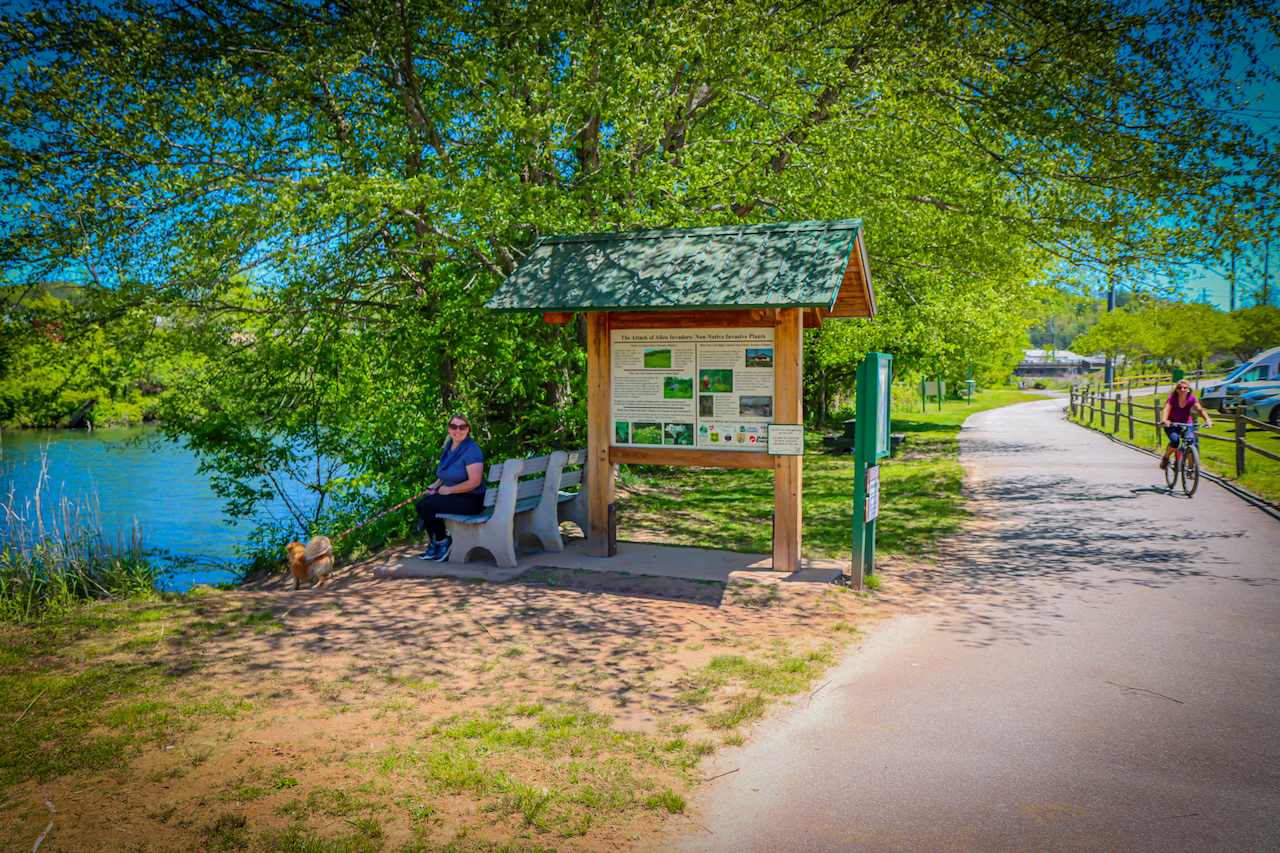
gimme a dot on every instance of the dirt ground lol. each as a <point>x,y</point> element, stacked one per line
<point>349,718</point>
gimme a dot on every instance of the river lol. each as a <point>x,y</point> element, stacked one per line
<point>150,480</point>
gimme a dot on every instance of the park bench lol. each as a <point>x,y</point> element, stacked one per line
<point>844,443</point>
<point>516,507</point>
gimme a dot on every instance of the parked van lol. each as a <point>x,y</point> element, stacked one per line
<point>1265,365</point>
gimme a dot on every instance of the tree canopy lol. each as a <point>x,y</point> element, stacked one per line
<point>326,192</point>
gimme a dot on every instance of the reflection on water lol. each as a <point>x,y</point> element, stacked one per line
<point>151,480</point>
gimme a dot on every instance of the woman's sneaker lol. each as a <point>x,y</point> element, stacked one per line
<point>1164,463</point>
<point>430,554</point>
<point>442,551</point>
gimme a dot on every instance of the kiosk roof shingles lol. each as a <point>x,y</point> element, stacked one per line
<point>784,265</point>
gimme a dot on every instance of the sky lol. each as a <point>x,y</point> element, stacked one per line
<point>1212,284</point>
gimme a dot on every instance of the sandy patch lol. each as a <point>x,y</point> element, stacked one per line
<point>335,714</point>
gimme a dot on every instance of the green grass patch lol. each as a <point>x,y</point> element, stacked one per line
<point>669,800</point>
<point>743,709</point>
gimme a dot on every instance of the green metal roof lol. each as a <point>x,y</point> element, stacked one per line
<point>783,265</point>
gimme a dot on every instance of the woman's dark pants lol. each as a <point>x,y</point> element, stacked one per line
<point>429,506</point>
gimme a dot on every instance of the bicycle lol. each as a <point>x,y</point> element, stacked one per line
<point>1185,461</point>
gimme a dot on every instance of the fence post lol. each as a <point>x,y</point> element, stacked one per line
<point>1072,397</point>
<point>1115,428</point>
<point>1130,401</point>
<point>1239,416</point>
<point>1156,407</point>
<point>1092,398</point>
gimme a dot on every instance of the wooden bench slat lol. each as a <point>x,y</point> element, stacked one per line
<point>465,519</point>
<point>537,465</point>
<point>529,489</point>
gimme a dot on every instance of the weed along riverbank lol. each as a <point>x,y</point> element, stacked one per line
<point>564,710</point>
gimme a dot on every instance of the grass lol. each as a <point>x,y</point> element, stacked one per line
<point>1262,475</point>
<point>920,493</point>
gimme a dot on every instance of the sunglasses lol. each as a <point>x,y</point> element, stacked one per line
<point>459,426</point>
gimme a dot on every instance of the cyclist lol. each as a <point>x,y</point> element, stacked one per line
<point>1179,413</point>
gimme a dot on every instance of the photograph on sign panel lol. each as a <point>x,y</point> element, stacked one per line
<point>646,433</point>
<point>657,358</point>
<point>759,357</point>
<point>756,407</point>
<point>622,432</point>
<point>706,406</point>
<point>678,434</point>
<point>677,387</point>
<point>716,381</point>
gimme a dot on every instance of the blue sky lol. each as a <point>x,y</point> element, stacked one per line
<point>1212,284</point>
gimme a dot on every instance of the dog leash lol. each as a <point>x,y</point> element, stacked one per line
<point>381,514</point>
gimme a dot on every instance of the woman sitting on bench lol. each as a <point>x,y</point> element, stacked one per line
<point>459,488</point>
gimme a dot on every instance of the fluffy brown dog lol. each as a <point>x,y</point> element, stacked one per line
<point>310,562</point>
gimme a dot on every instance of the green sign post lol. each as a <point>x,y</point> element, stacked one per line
<point>870,444</point>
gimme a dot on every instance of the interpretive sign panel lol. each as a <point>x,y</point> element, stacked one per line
<point>884,379</point>
<point>707,388</point>
<point>786,439</point>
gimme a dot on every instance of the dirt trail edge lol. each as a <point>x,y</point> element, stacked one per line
<point>1094,665</point>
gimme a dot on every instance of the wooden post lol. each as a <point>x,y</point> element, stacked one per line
<point>788,471</point>
<point>1240,425</point>
<point>1091,396</point>
<point>1129,399</point>
<point>1156,418</point>
<point>601,541</point>
<point>1073,401</point>
<point>1116,426</point>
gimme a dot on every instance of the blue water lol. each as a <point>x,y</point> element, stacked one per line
<point>153,481</point>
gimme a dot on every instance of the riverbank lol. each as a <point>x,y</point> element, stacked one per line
<point>127,479</point>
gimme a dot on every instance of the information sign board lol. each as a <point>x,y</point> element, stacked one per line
<point>786,439</point>
<point>704,388</point>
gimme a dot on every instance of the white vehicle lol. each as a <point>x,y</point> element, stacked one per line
<point>1263,366</point>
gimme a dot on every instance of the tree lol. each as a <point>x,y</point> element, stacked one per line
<point>1259,329</point>
<point>369,173</point>
<point>1122,334</point>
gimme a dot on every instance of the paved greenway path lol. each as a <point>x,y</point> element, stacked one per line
<point>1098,669</point>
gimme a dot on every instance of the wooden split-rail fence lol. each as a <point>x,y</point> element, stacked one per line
<point>1119,405</point>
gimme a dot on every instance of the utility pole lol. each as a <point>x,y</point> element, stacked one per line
<point>1233,278</point>
<point>1264,294</point>
<point>1109,374</point>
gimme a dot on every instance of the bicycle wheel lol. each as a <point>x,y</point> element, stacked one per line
<point>1190,470</point>
<point>1171,472</point>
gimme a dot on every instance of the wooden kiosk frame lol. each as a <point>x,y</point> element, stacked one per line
<point>787,277</point>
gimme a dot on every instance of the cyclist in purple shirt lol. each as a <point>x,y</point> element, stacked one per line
<point>459,488</point>
<point>1179,411</point>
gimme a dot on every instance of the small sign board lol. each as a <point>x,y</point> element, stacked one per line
<point>873,493</point>
<point>932,387</point>
<point>786,439</point>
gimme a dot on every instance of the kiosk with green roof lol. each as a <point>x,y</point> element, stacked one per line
<point>695,347</point>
